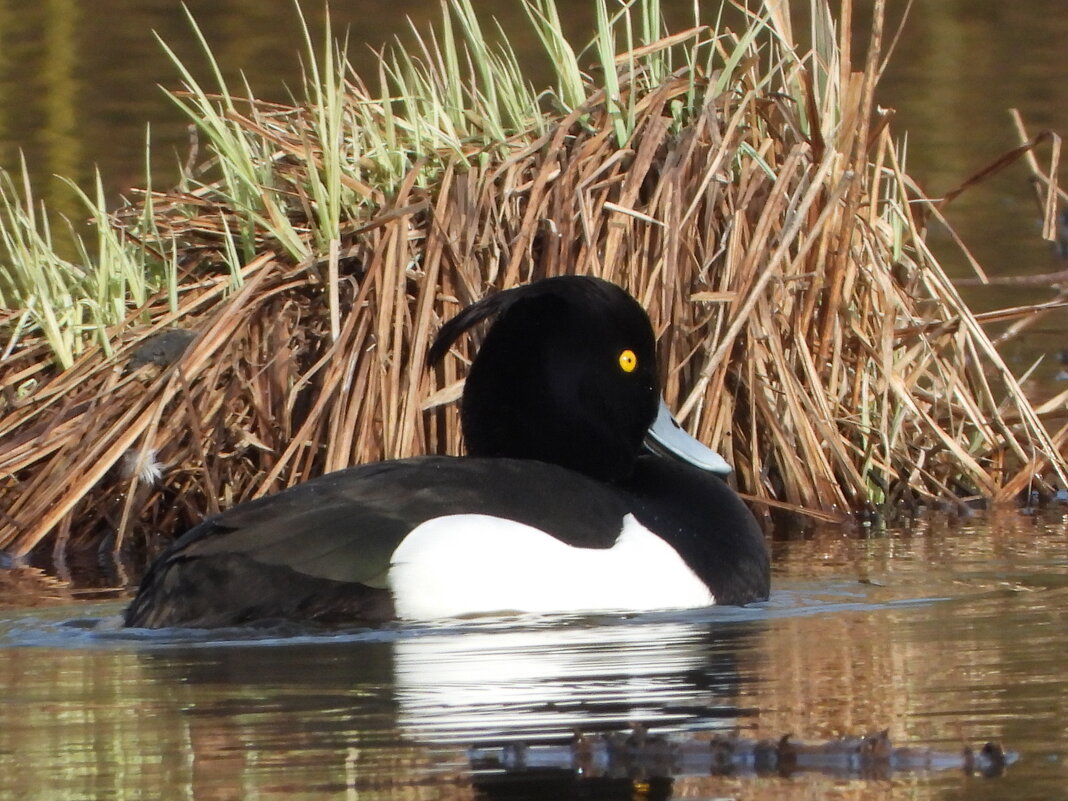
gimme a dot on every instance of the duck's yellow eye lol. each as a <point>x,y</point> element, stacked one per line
<point>628,361</point>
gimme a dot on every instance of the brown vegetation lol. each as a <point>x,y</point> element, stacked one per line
<point>805,330</point>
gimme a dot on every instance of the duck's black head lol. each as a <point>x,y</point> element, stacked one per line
<point>566,374</point>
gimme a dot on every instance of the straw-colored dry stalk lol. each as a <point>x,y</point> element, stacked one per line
<point>805,331</point>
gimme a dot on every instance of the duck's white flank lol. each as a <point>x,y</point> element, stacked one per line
<point>476,564</point>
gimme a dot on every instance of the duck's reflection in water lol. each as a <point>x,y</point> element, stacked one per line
<point>539,682</point>
<point>399,710</point>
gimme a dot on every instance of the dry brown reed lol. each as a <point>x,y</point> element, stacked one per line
<point>805,329</point>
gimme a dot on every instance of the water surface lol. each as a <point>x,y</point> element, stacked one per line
<point>949,633</point>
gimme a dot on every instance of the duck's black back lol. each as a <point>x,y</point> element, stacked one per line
<point>321,550</point>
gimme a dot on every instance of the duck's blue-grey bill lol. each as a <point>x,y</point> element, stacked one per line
<point>668,438</point>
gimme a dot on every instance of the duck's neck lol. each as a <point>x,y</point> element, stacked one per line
<point>705,521</point>
<point>578,446</point>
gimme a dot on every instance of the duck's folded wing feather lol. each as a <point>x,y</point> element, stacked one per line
<point>334,535</point>
<point>345,525</point>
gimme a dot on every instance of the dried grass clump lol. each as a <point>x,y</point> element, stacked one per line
<point>751,198</point>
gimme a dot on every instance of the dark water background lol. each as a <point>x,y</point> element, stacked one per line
<point>947,632</point>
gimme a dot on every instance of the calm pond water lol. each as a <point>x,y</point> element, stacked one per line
<point>946,634</point>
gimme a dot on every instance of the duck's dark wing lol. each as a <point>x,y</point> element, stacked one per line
<point>321,550</point>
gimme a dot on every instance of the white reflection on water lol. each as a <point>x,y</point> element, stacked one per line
<point>504,683</point>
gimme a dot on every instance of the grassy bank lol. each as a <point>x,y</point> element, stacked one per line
<point>748,191</point>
